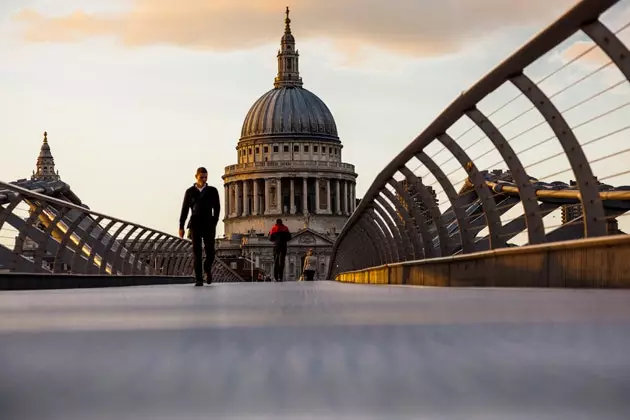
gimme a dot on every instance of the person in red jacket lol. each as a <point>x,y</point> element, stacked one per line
<point>280,236</point>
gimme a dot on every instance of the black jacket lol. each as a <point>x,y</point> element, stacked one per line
<point>280,236</point>
<point>205,208</point>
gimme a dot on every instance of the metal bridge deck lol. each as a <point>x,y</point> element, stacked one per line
<point>314,350</point>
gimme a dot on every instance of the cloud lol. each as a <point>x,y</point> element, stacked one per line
<point>592,62</point>
<point>586,53</point>
<point>416,27</point>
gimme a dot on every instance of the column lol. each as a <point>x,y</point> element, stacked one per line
<point>305,194</point>
<point>353,200</point>
<point>255,200</point>
<point>266,196</point>
<point>350,206</point>
<point>316,211</point>
<point>279,195</point>
<point>328,197</point>
<point>346,204</point>
<point>338,193</point>
<point>238,203</point>
<point>245,198</point>
<point>292,198</point>
<point>226,200</point>
<point>232,200</point>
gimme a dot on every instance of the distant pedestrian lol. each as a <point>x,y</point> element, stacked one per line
<point>280,236</point>
<point>310,265</point>
<point>203,201</point>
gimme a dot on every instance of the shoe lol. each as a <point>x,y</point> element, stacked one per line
<point>209,278</point>
<point>197,284</point>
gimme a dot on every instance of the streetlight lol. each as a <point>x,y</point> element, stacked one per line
<point>251,264</point>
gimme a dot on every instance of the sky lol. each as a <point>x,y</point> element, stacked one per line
<point>136,94</point>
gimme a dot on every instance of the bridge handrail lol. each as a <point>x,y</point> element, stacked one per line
<point>583,13</point>
<point>82,247</point>
<point>53,200</point>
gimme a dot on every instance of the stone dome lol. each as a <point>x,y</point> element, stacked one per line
<point>289,111</point>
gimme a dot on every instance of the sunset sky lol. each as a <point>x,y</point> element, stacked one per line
<point>135,94</point>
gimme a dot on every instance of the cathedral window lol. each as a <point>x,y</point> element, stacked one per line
<point>275,149</point>
<point>285,149</point>
<point>335,151</point>
<point>257,149</point>
<point>296,148</point>
<point>266,149</point>
<point>315,149</point>
<point>306,149</point>
<point>323,149</point>
<point>250,150</point>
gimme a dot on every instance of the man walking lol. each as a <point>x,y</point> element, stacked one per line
<point>203,201</point>
<point>279,235</point>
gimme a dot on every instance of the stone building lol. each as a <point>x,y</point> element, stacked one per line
<point>45,166</point>
<point>289,166</point>
<point>571,212</point>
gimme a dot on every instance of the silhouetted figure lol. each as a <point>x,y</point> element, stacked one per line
<point>203,201</point>
<point>279,235</point>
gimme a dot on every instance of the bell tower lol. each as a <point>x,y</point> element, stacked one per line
<point>45,167</point>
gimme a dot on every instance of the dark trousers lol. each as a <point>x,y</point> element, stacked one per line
<point>309,274</point>
<point>279,255</point>
<point>207,236</point>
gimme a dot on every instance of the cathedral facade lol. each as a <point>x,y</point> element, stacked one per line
<point>289,166</point>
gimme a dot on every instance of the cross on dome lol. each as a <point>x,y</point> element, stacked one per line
<point>287,22</point>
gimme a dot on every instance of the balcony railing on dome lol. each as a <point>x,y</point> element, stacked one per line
<point>300,164</point>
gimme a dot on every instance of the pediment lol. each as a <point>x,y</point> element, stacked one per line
<point>308,237</point>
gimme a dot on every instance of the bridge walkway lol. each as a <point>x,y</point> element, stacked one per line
<point>314,350</point>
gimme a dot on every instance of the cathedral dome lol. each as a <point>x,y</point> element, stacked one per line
<point>288,111</point>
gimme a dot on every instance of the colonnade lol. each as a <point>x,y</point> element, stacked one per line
<point>289,195</point>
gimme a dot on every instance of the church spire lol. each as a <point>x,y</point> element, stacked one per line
<point>288,59</point>
<point>45,168</point>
